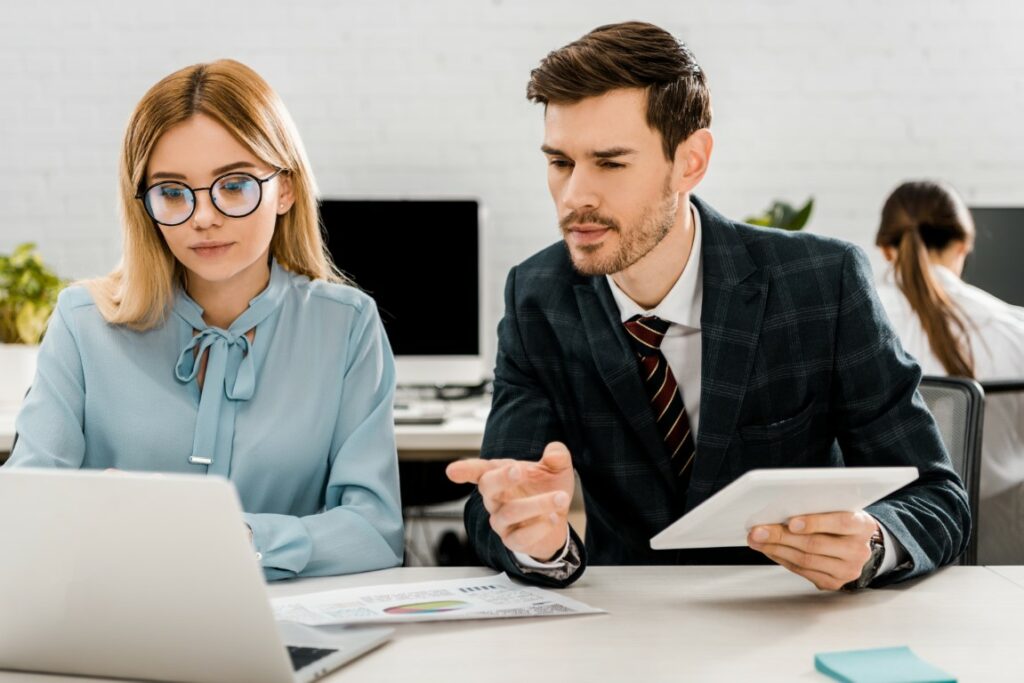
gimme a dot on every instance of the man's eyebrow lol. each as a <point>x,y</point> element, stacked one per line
<point>612,152</point>
<point>609,153</point>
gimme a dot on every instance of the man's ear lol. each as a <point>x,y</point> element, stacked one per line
<point>691,160</point>
<point>285,193</point>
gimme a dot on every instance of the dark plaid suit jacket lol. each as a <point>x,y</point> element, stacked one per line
<point>799,368</point>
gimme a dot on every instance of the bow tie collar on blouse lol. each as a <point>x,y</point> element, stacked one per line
<point>230,368</point>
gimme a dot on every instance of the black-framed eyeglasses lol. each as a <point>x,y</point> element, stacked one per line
<point>234,194</point>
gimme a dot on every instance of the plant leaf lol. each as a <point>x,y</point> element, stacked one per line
<point>802,216</point>
<point>31,322</point>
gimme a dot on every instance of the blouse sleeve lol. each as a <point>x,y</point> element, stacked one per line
<point>49,426</point>
<point>360,528</point>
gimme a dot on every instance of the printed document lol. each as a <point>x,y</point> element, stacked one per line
<point>488,597</point>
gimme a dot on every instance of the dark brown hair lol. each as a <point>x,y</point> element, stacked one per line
<point>630,55</point>
<point>920,217</point>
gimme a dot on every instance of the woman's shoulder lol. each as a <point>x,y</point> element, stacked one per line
<point>332,295</point>
<point>75,296</point>
<point>984,307</point>
<point>76,306</point>
<point>889,293</point>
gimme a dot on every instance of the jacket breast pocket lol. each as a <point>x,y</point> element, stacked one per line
<point>789,442</point>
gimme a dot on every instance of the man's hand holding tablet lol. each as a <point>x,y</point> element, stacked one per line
<point>828,549</point>
<point>809,520</point>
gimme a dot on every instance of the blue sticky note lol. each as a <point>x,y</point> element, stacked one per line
<point>882,665</point>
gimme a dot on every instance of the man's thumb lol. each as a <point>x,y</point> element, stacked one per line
<point>556,457</point>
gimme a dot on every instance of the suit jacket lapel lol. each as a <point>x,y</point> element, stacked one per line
<point>734,297</point>
<point>617,366</point>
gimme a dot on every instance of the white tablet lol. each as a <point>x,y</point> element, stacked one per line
<point>772,496</point>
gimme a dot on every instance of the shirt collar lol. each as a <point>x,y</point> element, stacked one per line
<point>261,306</point>
<point>682,304</point>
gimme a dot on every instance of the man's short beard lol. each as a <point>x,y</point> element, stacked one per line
<point>654,225</point>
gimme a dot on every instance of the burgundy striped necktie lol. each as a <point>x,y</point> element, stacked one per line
<point>646,334</point>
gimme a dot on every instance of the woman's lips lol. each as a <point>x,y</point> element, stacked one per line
<point>211,249</point>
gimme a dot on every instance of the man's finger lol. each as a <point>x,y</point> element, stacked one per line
<point>524,538</point>
<point>520,510</point>
<point>821,581</point>
<point>470,470</point>
<point>839,523</point>
<point>765,534</point>
<point>494,487</point>
<point>556,457</point>
<point>839,569</point>
<point>840,547</point>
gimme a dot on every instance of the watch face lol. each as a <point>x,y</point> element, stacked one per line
<point>871,567</point>
<point>874,562</point>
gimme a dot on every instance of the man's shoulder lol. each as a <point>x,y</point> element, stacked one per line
<point>785,250</point>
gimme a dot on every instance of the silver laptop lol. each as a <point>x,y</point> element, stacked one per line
<point>144,576</point>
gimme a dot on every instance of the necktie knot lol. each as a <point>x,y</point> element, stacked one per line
<point>646,333</point>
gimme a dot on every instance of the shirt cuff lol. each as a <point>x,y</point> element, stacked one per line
<point>895,554</point>
<point>528,562</point>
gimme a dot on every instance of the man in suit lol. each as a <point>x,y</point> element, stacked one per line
<point>663,350</point>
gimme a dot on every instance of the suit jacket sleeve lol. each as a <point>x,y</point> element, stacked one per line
<point>522,421</point>
<point>883,421</point>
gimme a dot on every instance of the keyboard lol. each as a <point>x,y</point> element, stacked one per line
<point>304,656</point>
<point>424,413</point>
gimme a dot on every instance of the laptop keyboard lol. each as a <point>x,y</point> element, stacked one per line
<point>304,656</point>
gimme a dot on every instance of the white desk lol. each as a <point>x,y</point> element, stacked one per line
<point>461,434</point>
<point>1011,573</point>
<point>698,624</point>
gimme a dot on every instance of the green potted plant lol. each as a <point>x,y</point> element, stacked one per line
<point>783,215</point>
<point>28,293</point>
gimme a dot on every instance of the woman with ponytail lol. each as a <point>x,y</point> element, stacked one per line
<point>956,329</point>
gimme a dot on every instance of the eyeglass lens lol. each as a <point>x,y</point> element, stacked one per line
<point>172,203</point>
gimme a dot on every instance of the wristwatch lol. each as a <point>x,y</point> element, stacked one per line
<point>867,575</point>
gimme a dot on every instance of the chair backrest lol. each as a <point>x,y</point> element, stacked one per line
<point>1003,386</point>
<point>958,405</point>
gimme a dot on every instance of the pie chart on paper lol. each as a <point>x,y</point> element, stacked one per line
<point>432,607</point>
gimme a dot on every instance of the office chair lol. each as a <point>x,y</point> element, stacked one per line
<point>958,405</point>
<point>425,490</point>
<point>1003,386</point>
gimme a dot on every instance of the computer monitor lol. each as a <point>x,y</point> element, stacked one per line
<point>994,265</point>
<point>420,259</point>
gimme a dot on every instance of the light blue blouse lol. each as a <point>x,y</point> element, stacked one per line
<point>300,420</point>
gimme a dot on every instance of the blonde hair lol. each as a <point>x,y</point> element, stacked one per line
<point>140,291</point>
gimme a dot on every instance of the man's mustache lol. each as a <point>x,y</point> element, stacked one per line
<point>575,218</point>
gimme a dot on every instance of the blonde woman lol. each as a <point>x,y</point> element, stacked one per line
<point>226,343</point>
<point>952,328</point>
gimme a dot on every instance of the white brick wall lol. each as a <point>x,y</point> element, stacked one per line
<point>399,97</point>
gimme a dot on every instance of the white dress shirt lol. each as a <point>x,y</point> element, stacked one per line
<point>681,307</point>
<point>682,349</point>
<point>995,330</point>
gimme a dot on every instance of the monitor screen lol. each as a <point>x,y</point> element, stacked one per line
<point>420,260</point>
<point>994,265</point>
